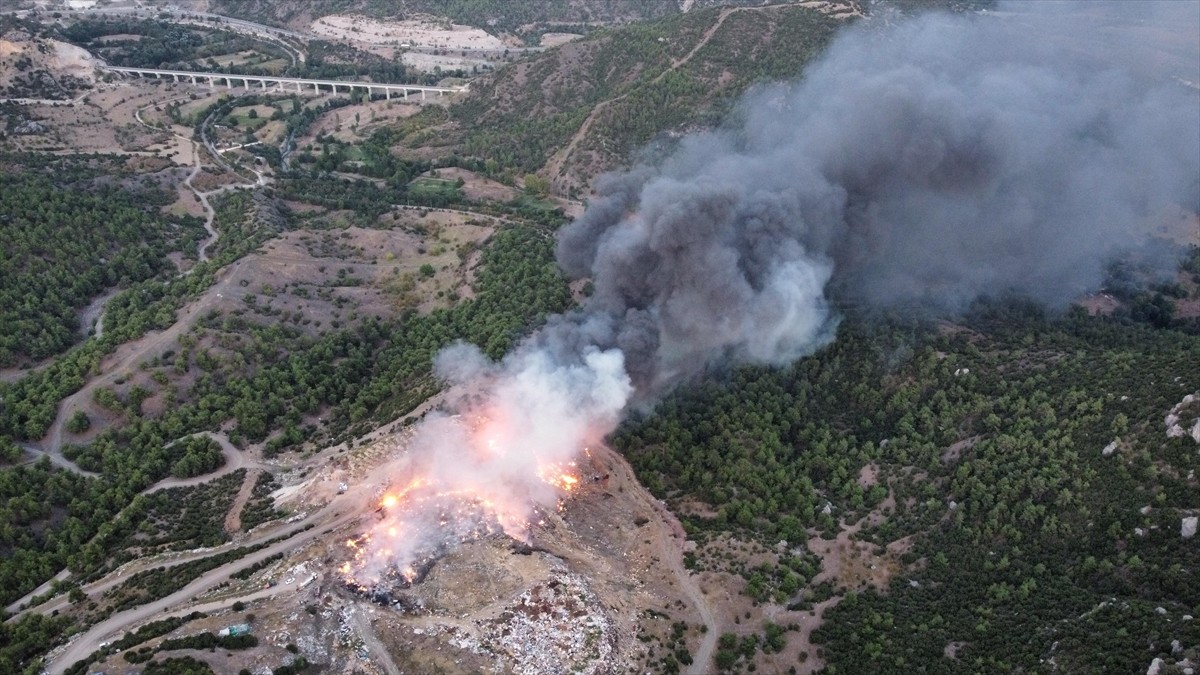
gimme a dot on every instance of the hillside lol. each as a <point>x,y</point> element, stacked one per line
<point>517,19</point>
<point>237,382</point>
<point>576,110</point>
<point>37,67</point>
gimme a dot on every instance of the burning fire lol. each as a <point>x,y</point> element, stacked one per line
<point>435,509</point>
<point>504,461</point>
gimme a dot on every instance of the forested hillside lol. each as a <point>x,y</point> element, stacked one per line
<point>1021,462</point>
<point>575,111</point>
<point>990,492</point>
<point>65,241</point>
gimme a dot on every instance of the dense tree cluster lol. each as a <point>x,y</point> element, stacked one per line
<point>64,247</point>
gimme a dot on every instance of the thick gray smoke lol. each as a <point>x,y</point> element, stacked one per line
<point>930,163</point>
<point>927,164</point>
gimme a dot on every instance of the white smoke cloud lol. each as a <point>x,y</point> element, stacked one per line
<point>505,449</point>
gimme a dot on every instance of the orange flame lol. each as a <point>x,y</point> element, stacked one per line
<point>466,512</point>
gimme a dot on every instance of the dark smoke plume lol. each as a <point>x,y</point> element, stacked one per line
<point>930,163</point>
<point>923,164</point>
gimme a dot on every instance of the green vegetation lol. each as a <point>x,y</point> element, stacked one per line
<point>260,508</point>
<point>23,643</point>
<point>376,371</point>
<point>145,633</point>
<point>253,569</point>
<point>28,406</point>
<point>988,437</point>
<point>79,422</point>
<point>185,517</point>
<point>160,582</point>
<point>205,640</point>
<point>526,112</point>
<point>66,245</point>
<point>177,665</point>
<point>200,455</point>
<point>500,16</point>
<point>149,43</point>
<point>144,43</point>
<point>976,444</point>
<point>48,519</point>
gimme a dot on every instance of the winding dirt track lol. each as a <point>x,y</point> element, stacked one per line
<point>233,518</point>
<point>555,165</point>
<point>234,459</point>
<point>151,343</point>
<point>377,650</point>
<point>343,509</point>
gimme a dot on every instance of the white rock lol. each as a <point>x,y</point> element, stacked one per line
<point>1155,666</point>
<point>1109,449</point>
<point>1139,531</point>
<point>1145,510</point>
<point>1176,647</point>
<point>1187,526</point>
<point>1160,610</point>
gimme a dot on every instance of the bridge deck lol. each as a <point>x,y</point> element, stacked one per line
<point>283,80</point>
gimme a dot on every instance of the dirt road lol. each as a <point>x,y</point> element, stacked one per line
<point>233,517</point>
<point>234,459</point>
<point>349,506</point>
<point>129,355</point>
<point>380,654</point>
<point>671,537</point>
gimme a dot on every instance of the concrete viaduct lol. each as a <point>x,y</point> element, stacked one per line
<point>288,83</point>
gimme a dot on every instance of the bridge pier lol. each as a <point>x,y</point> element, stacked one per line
<point>246,84</point>
<point>405,94</point>
<point>388,93</point>
<point>422,94</point>
<point>263,84</point>
<point>176,77</point>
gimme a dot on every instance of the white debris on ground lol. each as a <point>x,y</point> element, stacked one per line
<point>556,626</point>
<point>1184,418</point>
<point>1187,527</point>
<point>1110,448</point>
